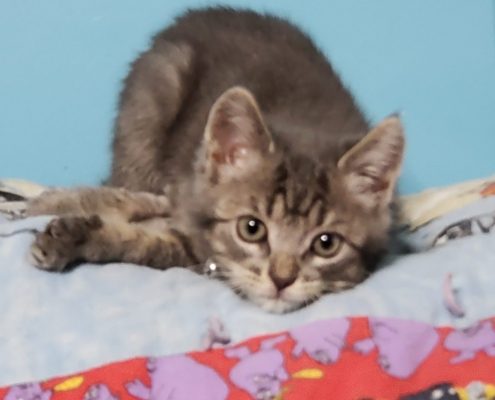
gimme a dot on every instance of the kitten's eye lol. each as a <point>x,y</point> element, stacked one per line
<point>251,229</point>
<point>326,245</point>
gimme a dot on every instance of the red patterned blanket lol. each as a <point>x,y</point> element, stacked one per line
<point>347,358</point>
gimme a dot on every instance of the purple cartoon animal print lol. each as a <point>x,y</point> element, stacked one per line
<point>99,391</point>
<point>179,378</point>
<point>261,373</point>
<point>28,391</point>
<point>402,345</point>
<point>323,341</point>
<point>468,342</point>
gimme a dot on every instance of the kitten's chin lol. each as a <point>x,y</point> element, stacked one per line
<point>276,305</point>
<point>267,298</point>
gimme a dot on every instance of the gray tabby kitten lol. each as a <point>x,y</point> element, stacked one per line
<point>236,142</point>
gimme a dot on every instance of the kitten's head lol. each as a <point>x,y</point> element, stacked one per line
<point>285,228</point>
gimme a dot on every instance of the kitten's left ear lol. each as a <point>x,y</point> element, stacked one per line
<point>371,168</point>
<point>236,138</point>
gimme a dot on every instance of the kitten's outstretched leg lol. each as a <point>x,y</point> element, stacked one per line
<point>132,206</point>
<point>71,239</point>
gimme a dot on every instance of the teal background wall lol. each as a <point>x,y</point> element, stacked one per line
<point>62,61</point>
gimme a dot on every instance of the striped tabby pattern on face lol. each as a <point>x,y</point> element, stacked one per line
<point>286,228</point>
<point>283,272</point>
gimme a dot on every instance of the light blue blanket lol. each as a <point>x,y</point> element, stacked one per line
<point>53,324</point>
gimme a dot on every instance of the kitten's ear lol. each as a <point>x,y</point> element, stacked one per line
<point>236,138</point>
<point>371,168</point>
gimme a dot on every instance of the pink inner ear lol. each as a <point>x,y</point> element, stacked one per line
<point>237,153</point>
<point>230,155</point>
<point>229,147</point>
<point>234,137</point>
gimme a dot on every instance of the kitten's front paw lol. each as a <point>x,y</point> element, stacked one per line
<point>60,244</point>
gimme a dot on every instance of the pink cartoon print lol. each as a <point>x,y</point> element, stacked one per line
<point>179,378</point>
<point>28,391</point>
<point>99,391</point>
<point>468,342</point>
<point>261,373</point>
<point>402,345</point>
<point>323,341</point>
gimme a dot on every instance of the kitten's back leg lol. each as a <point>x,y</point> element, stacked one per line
<point>152,98</point>
<point>130,206</point>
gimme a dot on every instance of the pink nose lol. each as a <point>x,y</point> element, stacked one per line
<point>282,281</point>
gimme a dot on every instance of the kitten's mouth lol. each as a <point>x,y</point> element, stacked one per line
<point>283,297</point>
<point>274,303</point>
<point>280,302</point>
<point>278,305</point>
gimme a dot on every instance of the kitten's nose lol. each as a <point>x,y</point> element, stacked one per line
<point>282,282</point>
<point>283,272</point>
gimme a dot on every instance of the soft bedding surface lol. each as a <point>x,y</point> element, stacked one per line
<point>57,324</point>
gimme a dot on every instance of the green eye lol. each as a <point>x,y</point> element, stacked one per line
<point>251,229</point>
<point>326,245</point>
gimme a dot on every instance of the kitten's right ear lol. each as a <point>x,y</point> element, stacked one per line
<point>236,138</point>
<point>371,168</point>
